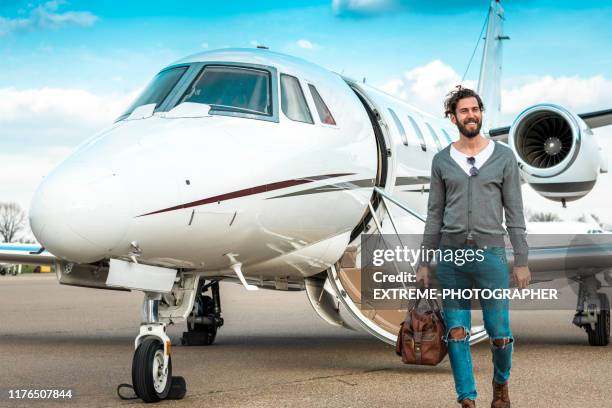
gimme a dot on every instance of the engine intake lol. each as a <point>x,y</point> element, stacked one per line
<point>546,139</point>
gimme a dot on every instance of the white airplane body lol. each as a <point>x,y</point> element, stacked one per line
<point>254,165</point>
<point>187,189</point>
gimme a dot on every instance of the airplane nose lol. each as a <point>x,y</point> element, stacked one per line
<point>80,212</point>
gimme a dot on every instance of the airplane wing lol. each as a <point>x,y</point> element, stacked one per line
<point>593,120</point>
<point>25,254</point>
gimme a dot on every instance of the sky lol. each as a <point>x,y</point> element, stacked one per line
<point>68,68</point>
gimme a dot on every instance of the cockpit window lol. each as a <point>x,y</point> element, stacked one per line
<point>324,113</point>
<point>292,100</point>
<point>232,89</point>
<point>157,91</point>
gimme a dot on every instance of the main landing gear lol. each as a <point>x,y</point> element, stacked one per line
<point>593,311</point>
<point>205,318</point>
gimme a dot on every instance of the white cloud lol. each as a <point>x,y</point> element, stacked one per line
<point>47,117</point>
<point>254,43</point>
<point>363,7</point>
<point>425,86</point>
<point>368,8</point>
<point>204,45</point>
<point>572,92</point>
<point>305,44</point>
<point>46,16</point>
<point>18,106</point>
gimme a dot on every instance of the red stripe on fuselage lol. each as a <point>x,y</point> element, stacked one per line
<point>249,191</point>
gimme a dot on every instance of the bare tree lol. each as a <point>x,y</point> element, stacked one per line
<point>544,217</point>
<point>12,220</point>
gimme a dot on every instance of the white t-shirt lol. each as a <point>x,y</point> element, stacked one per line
<point>481,158</point>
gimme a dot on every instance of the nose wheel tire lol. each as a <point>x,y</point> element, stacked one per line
<point>600,336</point>
<point>151,378</point>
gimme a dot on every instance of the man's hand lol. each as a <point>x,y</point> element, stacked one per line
<point>522,276</point>
<point>423,275</point>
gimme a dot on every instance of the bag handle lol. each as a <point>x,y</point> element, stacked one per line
<point>433,304</point>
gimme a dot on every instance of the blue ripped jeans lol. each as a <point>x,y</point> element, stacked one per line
<point>490,272</point>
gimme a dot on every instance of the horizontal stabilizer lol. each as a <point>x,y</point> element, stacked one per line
<point>598,118</point>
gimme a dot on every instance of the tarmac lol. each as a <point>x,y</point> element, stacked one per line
<point>273,351</point>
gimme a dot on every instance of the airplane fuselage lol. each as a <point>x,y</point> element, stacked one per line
<point>280,196</point>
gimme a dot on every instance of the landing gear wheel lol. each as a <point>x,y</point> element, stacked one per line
<point>150,378</point>
<point>601,335</point>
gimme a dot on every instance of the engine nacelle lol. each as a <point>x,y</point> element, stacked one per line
<point>556,152</point>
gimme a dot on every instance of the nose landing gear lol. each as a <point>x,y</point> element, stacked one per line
<point>152,378</point>
<point>151,371</point>
<point>152,365</point>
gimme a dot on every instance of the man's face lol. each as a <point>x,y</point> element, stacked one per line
<point>468,117</point>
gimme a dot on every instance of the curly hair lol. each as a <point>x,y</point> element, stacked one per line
<point>453,97</point>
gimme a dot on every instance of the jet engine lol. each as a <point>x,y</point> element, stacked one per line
<point>556,152</point>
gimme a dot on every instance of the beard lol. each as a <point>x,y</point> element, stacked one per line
<point>469,133</point>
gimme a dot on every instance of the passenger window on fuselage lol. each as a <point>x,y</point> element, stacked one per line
<point>324,114</point>
<point>157,91</point>
<point>293,102</point>
<point>232,89</point>
<point>435,136</point>
<point>399,126</point>
<point>418,132</point>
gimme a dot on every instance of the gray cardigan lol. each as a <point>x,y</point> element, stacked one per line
<point>462,207</point>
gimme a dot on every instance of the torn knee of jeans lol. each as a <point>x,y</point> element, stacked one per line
<point>501,343</point>
<point>458,334</point>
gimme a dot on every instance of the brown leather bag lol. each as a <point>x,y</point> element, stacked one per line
<point>421,335</point>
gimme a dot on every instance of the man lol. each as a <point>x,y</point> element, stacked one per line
<point>472,180</point>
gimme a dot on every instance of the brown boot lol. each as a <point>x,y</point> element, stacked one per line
<point>500,396</point>
<point>468,403</point>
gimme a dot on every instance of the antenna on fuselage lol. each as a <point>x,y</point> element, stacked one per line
<point>263,47</point>
<point>489,80</point>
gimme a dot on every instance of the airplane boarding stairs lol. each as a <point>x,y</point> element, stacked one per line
<point>345,279</point>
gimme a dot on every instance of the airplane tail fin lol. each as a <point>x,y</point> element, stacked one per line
<point>489,81</point>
